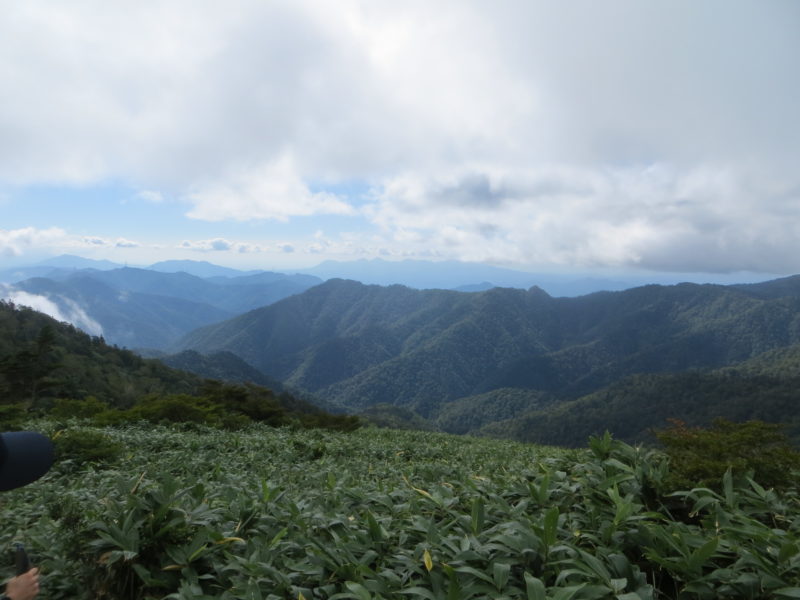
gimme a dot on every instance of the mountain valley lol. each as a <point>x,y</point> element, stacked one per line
<point>504,362</point>
<point>438,352</point>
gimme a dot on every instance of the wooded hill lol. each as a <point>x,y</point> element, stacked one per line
<point>634,406</point>
<point>460,359</point>
<point>44,363</point>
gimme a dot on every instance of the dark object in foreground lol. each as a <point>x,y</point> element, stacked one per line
<point>23,564</point>
<point>24,457</point>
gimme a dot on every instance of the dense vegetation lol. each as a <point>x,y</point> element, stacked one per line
<point>558,368</point>
<point>268,513</point>
<point>701,456</point>
<point>765,388</point>
<point>46,366</point>
<point>224,366</point>
<point>171,485</point>
<point>472,414</point>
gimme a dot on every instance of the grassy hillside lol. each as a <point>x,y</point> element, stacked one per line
<point>276,513</point>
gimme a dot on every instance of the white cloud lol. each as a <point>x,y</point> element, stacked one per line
<point>244,248</point>
<point>151,196</point>
<point>95,241</point>
<point>704,219</point>
<point>54,240</point>
<point>220,245</point>
<point>214,245</point>
<point>273,191</point>
<point>354,89</point>
<point>60,308</point>
<point>14,242</point>
<point>521,131</point>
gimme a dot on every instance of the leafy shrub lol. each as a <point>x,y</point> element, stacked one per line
<point>64,408</point>
<point>700,457</point>
<point>199,513</point>
<point>11,416</point>
<point>343,423</point>
<point>254,402</point>
<point>175,408</point>
<point>83,446</point>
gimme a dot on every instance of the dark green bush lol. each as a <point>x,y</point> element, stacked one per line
<point>11,416</point>
<point>328,421</point>
<point>700,457</point>
<point>175,408</point>
<point>64,408</point>
<point>254,402</point>
<point>83,446</point>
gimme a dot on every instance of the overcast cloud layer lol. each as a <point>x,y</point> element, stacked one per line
<point>660,135</point>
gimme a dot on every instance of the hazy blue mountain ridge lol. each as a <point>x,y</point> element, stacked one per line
<point>190,287</point>
<point>462,276</point>
<point>141,308</point>
<point>198,268</point>
<point>130,319</point>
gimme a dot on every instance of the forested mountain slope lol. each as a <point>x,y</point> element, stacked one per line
<point>42,360</point>
<point>361,345</point>
<point>766,388</point>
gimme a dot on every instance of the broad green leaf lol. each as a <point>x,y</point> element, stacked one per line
<point>568,593</point>
<point>699,557</point>
<point>419,591</point>
<point>375,530</point>
<point>500,573</point>
<point>478,515</point>
<point>359,590</point>
<point>534,588</point>
<point>473,571</point>
<point>727,487</point>
<point>550,525</point>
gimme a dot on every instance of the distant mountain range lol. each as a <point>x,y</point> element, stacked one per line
<point>480,359</point>
<point>152,307</point>
<point>503,353</point>
<point>147,308</point>
<point>419,274</point>
<point>199,268</point>
<point>464,276</point>
<point>461,276</point>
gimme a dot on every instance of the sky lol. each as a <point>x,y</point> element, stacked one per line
<point>659,136</point>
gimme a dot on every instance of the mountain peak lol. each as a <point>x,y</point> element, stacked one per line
<point>198,268</point>
<point>71,261</point>
<point>538,292</point>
